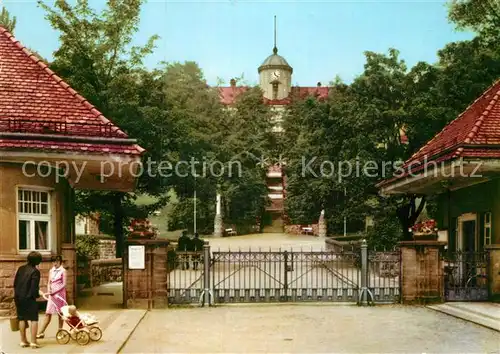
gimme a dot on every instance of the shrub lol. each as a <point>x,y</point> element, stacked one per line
<point>87,246</point>
<point>385,233</point>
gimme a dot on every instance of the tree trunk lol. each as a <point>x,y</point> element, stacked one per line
<point>408,215</point>
<point>118,224</point>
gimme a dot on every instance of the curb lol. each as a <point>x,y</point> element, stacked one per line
<point>468,316</point>
<point>125,341</point>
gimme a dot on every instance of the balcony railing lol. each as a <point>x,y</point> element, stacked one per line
<point>39,126</point>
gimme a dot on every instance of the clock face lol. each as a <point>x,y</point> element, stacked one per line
<point>276,74</point>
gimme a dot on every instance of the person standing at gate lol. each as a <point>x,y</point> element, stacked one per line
<point>184,245</point>
<point>26,291</point>
<point>197,245</point>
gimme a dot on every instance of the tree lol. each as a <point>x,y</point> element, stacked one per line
<point>481,16</point>
<point>95,58</point>
<point>361,123</point>
<point>246,137</point>
<point>6,21</point>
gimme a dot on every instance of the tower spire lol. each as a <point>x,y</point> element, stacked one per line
<point>275,49</point>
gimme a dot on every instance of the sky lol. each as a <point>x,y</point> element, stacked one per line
<point>231,38</point>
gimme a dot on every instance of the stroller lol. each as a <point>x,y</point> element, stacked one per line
<point>83,330</point>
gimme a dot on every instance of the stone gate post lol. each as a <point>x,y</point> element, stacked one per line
<point>422,271</point>
<point>494,272</point>
<point>145,273</point>
<point>68,252</point>
<point>218,224</point>
<point>322,229</point>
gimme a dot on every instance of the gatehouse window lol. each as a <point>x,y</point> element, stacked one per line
<point>34,216</point>
<point>487,228</point>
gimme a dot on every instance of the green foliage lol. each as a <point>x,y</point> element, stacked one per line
<point>386,231</point>
<point>6,21</point>
<point>481,16</point>
<point>87,246</point>
<point>182,216</point>
<point>96,58</point>
<point>361,123</point>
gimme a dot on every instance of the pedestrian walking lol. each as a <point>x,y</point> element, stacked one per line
<point>26,291</point>
<point>56,292</point>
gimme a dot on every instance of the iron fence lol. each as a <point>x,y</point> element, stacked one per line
<point>384,275</point>
<point>466,276</point>
<point>278,276</point>
<point>251,276</point>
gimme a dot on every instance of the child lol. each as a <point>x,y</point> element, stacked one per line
<point>77,320</point>
<point>73,317</point>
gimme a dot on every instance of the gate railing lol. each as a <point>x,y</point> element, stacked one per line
<point>347,275</point>
<point>466,276</point>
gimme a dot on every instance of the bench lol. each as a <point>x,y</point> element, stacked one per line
<point>230,232</point>
<point>306,230</point>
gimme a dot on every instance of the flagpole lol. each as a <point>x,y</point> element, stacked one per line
<point>194,211</point>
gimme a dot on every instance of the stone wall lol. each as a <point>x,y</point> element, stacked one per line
<point>105,271</point>
<point>494,272</point>
<point>107,248</point>
<point>147,288</point>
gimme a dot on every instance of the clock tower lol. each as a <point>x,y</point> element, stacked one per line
<point>275,74</point>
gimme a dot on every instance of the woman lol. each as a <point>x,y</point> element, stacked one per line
<point>26,291</point>
<point>56,291</point>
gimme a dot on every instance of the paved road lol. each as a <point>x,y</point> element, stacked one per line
<point>266,242</point>
<point>308,329</point>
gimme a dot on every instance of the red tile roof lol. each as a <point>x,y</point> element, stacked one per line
<point>34,100</point>
<point>228,95</point>
<point>474,134</point>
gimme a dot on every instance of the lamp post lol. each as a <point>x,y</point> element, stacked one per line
<point>345,218</point>
<point>194,205</point>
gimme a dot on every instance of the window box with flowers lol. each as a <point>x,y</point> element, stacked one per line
<point>141,228</point>
<point>426,230</point>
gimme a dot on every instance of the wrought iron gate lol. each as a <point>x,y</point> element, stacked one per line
<point>278,276</point>
<point>466,276</point>
<point>283,276</point>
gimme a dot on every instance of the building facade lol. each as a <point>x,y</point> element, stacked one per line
<point>52,141</point>
<point>275,80</point>
<point>461,166</point>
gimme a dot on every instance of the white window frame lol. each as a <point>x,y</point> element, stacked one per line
<point>460,239</point>
<point>31,218</point>
<point>487,226</point>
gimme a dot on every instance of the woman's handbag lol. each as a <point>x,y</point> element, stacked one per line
<point>14,324</point>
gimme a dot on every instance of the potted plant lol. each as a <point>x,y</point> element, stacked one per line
<point>425,230</point>
<point>141,228</point>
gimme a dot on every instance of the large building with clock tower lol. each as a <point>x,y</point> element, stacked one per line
<point>275,80</point>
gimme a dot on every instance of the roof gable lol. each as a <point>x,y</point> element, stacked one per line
<point>477,127</point>
<point>34,100</point>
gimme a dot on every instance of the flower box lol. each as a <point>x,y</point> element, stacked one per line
<point>141,228</point>
<point>426,230</point>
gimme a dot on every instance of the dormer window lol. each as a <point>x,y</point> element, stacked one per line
<point>275,90</point>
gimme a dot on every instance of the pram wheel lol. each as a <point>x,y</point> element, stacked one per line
<point>82,337</point>
<point>63,336</point>
<point>95,333</point>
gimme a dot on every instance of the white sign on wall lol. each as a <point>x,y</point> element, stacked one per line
<point>443,236</point>
<point>136,257</point>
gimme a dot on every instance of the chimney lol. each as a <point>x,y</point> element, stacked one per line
<point>233,82</point>
<point>319,84</point>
